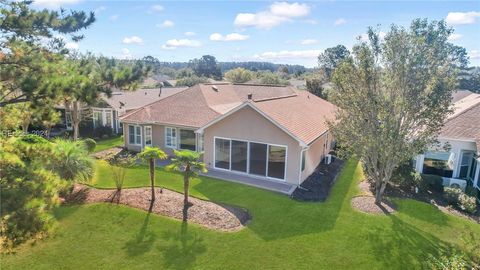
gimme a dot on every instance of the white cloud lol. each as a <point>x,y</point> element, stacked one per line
<point>309,41</point>
<point>288,55</point>
<point>114,17</point>
<point>229,37</point>
<point>285,9</point>
<point>311,21</point>
<point>126,54</point>
<point>457,18</point>
<point>133,40</point>
<point>179,43</point>
<point>99,9</point>
<point>71,45</point>
<point>474,54</point>
<point>454,37</point>
<point>156,8</point>
<point>340,21</point>
<point>278,13</point>
<point>189,34</point>
<point>166,24</point>
<point>54,4</point>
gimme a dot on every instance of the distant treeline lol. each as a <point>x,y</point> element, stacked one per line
<point>253,66</point>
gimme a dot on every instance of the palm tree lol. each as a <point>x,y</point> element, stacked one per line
<point>188,163</point>
<point>150,154</point>
<point>71,161</point>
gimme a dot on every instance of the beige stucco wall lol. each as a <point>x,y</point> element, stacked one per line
<point>315,154</point>
<point>247,124</point>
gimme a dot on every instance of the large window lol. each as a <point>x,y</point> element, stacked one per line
<point>249,157</point>
<point>222,154</point>
<point>97,119</point>
<point>239,156</point>
<point>134,135</point>
<point>276,161</point>
<point>108,118</point>
<point>170,137</point>
<point>187,139</point>
<point>438,163</point>
<point>148,135</point>
<point>465,164</point>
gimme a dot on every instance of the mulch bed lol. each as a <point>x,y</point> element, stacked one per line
<point>318,185</point>
<point>167,203</point>
<point>108,152</point>
<point>367,204</point>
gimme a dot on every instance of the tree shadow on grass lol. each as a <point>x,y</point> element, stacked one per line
<point>180,250</point>
<point>279,217</point>
<point>143,240</point>
<point>403,246</point>
<point>423,211</point>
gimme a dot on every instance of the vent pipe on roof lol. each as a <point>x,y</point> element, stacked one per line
<point>249,96</point>
<point>215,88</point>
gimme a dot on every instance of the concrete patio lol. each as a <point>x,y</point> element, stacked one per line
<point>271,185</point>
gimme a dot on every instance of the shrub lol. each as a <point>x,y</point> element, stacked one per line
<point>90,144</point>
<point>467,203</point>
<point>452,195</point>
<point>33,139</point>
<point>102,131</point>
<point>432,182</point>
<point>471,191</point>
<point>118,165</point>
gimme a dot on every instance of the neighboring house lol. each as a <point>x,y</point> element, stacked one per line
<point>107,110</point>
<point>461,136</point>
<point>270,132</point>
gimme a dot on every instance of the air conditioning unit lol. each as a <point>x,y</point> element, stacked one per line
<point>454,183</point>
<point>328,159</point>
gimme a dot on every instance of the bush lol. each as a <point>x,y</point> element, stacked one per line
<point>452,195</point>
<point>86,129</point>
<point>471,191</point>
<point>102,132</point>
<point>467,203</point>
<point>118,165</point>
<point>90,144</point>
<point>432,182</point>
<point>33,139</point>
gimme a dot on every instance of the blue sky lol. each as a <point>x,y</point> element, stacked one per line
<point>280,32</point>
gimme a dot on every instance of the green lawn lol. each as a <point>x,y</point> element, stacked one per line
<point>108,143</point>
<point>284,234</point>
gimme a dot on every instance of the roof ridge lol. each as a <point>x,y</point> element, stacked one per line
<point>277,97</point>
<point>260,84</point>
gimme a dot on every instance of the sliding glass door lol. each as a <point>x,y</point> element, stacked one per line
<point>239,156</point>
<point>276,161</point>
<point>259,159</point>
<point>222,154</point>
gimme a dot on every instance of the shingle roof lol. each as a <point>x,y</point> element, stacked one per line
<point>299,112</point>
<point>464,124</point>
<point>129,100</point>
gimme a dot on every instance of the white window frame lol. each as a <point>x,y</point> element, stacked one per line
<point>103,115</point>
<point>135,135</point>
<point>146,135</point>
<point>248,159</point>
<point>175,140</point>
<point>95,124</point>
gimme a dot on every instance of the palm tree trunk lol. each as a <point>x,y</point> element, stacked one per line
<point>186,183</point>
<point>152,178</point>
<point>75,120</point>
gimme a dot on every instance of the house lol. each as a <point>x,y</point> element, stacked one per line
<point>460,135</point>
<point>107,110</point>
<point>274,133</point>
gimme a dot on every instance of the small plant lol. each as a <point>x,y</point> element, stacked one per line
<point>90,144</point>
<point>452,195</point>
<point>467,203</point>
<point>119,165</point>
